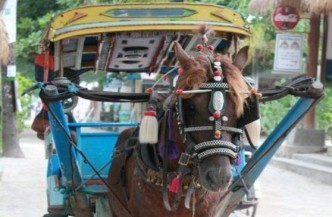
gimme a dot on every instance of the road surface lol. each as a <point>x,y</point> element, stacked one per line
<point>281,193</point>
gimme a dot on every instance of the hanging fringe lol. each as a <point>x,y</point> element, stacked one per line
<point>148,132</point>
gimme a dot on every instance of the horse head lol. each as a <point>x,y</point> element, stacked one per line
<point>210,97</point>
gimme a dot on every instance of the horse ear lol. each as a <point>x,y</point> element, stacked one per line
<point>241,59</point>
<point>182,56</point>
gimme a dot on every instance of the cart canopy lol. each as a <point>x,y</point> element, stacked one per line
<point>135,37</point>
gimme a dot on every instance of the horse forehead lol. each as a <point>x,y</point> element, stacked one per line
<point>203,100</point>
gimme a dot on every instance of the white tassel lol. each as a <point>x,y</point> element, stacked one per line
<point>148,131</point>
<point>254,131</point>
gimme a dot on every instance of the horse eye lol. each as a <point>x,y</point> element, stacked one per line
<point>191,108</point>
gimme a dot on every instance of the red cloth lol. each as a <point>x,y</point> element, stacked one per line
<point>40,61</point>
<point>44,70</point>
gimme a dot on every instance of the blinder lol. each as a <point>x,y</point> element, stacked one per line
<point>250,113</point>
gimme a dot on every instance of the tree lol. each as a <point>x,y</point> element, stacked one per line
<point>4,52</point>
<point>10,141</point>
<point>30,25</point>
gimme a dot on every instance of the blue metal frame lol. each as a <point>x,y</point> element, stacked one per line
<point>251,171</point>
<point>72,164</point>
<point>60,131</point>
<point>264,154</point>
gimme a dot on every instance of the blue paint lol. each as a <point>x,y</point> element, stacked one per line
<point>98,148</point>
<point>53,167</point>
<point>61,140</point>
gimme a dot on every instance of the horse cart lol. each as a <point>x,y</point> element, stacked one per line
<point>183,152</point>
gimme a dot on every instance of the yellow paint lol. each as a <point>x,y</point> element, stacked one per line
<point>68,24</point>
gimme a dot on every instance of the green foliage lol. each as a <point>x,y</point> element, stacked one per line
<point>324,110</point>
<point>32,18</point>
<point>25,101</point>
<point>272,112</point>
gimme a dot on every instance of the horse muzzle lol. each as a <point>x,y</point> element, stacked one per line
<point>215,173</point>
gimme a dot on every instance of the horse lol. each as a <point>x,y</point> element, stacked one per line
<point>185,171</point>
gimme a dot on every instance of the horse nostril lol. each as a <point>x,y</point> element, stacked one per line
<point>218,177</point>
<point>212,177</point>
<point>215,176</point>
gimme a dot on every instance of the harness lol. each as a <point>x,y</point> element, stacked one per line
<point>297,86</point>
<point>194,152</point>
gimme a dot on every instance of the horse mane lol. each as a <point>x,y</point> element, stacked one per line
<point>198,70</point>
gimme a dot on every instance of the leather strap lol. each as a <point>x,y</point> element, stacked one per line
<point>297,86</point>
<point>176,202</point>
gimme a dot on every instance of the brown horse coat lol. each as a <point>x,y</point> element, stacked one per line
<point>132,195</point>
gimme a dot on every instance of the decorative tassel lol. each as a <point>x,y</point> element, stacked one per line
<point>175,185</point>
<point>148,131</point>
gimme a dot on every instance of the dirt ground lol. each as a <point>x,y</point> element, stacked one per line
<point>281,193</point>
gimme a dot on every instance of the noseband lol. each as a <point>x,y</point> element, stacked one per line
<point>217,146</point>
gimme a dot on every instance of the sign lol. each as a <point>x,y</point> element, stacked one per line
<point>11,70</point>
<point>288,53</point>
<point>285,17</point>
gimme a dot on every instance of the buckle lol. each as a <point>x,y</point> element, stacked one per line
<point>184,159</point>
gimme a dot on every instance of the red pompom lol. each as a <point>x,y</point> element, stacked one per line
<point>149,90</point>
<point>199,47</point>
<point>179,91</point>
<point>217,73</point>
<point>216,115</point>
<point>211,47</point>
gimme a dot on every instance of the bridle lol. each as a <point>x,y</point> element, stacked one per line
<point>216,146</point>
<point>218,89</point>
<point>196,152</point>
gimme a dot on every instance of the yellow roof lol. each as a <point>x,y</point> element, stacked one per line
<point>96,19</point>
